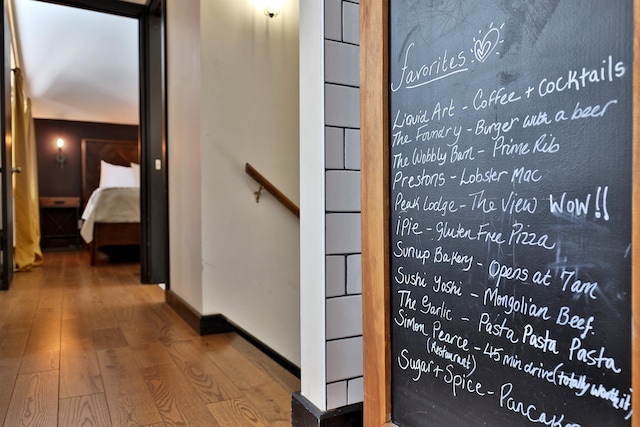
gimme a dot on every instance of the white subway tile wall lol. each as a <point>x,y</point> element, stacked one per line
<point>344,359</point>
<point>342,204</point>
<point>336,275</point>
<point>342,106</point>
<point>352,149</point>
<point>334,151</point>
<point>343,191</point>
<point>341,64</point>
<point>354,274</point>
<point>355,390</point>
<point>343,233</point>
<point>337,394</point>
<point>344,317</point>
<point>333,19</point>
<point>351,22</point>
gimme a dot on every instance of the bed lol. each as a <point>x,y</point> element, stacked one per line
<point>111,206</point>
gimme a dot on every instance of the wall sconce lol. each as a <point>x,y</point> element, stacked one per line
<point>272,7</point>
<point>60,158</point>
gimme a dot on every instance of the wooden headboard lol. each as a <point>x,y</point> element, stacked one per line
<point>112,151</point>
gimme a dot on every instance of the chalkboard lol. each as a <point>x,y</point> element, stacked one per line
<point>510,176</point>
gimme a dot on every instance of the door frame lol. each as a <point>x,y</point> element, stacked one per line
<point>6,166</point>
<point>154,248</point>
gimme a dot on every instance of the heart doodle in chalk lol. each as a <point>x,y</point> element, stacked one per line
<point>482,48</point>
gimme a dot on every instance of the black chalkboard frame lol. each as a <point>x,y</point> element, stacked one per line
<point>374,75</point>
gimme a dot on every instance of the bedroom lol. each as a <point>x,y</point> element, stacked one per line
<point>82,94</point>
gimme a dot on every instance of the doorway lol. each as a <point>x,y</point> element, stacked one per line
<point>151,133</point>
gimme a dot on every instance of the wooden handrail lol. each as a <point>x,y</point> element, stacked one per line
<point>267,185</point>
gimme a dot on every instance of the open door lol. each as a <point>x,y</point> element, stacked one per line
<point>6,167</point>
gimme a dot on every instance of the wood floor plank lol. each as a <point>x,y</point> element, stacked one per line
<point>79,373</point>
<point>206,378</point>
<point>50,301</point>
<point>39,358</point>
<point>174,398</point>
<point>76,334</point>
<point>258,386</point>
<point>35,400</point>
<point>109,338</point>
<point>7,299</point>
<point>125,357</point>
<point>156,321</point>
<point>247,374</point>
<point>272,402</point>
<point>73,303</point>
<point>180,330</point>
<point>87,305</point>
<point>280,374</point>
<point>237,412</point>
<point>151,354</point>
<point>90,410</point>
<point>21,311</point>
<point>130,403</point>
<point>97,316</point>
<point>12,343</point>
<point>42,352</point>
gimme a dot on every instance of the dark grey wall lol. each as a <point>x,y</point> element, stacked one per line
<point>67,181</point>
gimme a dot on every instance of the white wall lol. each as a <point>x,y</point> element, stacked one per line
<point>184,148</point>
<point>312,215</point>
<point>248,112</point>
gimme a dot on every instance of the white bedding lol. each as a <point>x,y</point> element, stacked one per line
<point>110,205</point>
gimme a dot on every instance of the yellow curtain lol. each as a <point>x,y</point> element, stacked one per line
<point>27,253</point>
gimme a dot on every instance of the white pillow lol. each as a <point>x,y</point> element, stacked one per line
<point>115,176</point>
<point>135,168</point>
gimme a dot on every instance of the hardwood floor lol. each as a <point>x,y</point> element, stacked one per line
<point>90,346</point>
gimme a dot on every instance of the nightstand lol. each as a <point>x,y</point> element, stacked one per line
<point>59,222</point>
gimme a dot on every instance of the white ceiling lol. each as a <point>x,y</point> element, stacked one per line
<point>78,65</point>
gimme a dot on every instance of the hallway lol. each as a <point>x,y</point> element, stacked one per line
<point>83,345</point>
